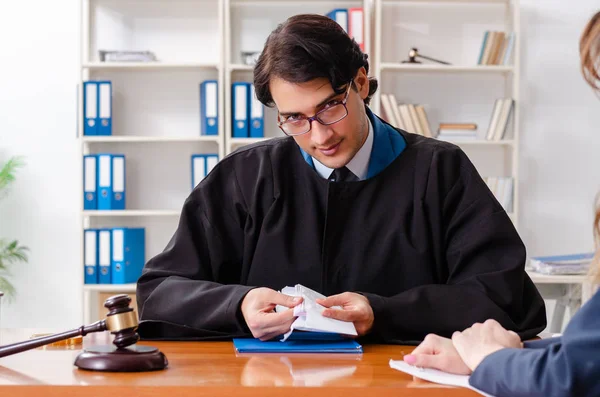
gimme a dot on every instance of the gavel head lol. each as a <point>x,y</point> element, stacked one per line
<point>121,320</point>
<point>412,54</point>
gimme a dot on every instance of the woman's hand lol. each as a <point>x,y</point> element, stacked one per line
<point>438,353</point>
<point>480,340</point>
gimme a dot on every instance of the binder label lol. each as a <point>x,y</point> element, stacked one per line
<point>211,102</point>
<point>104,103</point>
<point>104,171</point>
<point>118,255</point>
<point>118,174</point>
<point>199,170</point>
<point>90,250</point>
<point>90,176</point>
<point>240,104</point>
<point>91,95</point>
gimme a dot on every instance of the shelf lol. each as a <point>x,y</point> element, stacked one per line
<point>428,2</point>
<point>427,68</point>
<point>119,213</point>
<point>539,278</point>
<point>297,3</point>
<point>148,65</point>
<point>118,288</point>
<point>245,141</point>
<point>240,67</point>
<point>481,142</point>
<point>148,139</point>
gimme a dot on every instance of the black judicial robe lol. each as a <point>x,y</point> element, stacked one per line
<point>423,238</point>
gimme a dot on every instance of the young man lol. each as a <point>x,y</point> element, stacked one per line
<point>397,229</point>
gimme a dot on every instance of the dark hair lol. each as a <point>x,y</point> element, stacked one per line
<point>306,47</point>
<point>589,50</point>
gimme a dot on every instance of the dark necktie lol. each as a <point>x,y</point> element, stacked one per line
<point>342,175</point>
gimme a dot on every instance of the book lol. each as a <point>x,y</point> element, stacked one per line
<point>458,126</point>
<point>250,345</point>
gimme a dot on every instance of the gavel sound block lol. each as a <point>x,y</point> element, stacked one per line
<point>123,356</point>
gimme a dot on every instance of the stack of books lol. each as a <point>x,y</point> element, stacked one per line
<point>408,117</point>
<point>562,264</point>
<point>457,132</point>
<point>499,120</point>
<point>413,118</point>
<point>497,48</point>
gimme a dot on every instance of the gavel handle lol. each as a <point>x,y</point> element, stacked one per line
<point>432,59</point>
<point>19,347</point>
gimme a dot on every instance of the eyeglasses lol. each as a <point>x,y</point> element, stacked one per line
<point>331,114</point>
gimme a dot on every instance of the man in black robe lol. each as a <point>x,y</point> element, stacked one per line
<point>397,229</point>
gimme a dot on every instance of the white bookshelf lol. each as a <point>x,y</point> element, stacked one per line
<point>446,68</point>
<point>155,111</point>
<point>452,31</point>
<point>149,65</point>
<point>118,288</point>
<point>156,105</point>
<point>149,139</point>
<point>130,213</point>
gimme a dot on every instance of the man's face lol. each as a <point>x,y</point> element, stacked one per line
<point>333,145</point>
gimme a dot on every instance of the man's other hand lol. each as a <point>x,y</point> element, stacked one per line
<point>355,308</point>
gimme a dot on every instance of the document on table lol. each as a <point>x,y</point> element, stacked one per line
<point>435,376</point>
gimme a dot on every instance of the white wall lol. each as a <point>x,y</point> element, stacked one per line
<point>559,132</point>
<point>38,64</point>
<point>38,68</point>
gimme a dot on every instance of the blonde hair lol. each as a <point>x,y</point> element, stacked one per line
<point>595,270</point>
<point>589,50</point>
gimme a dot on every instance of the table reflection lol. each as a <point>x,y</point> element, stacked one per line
<point>306,370</point>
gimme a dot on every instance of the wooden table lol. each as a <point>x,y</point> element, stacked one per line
<point>213,369</point>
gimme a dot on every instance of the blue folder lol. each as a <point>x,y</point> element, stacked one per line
<point>90,108</point>
<point>209,115</point>
<point>296,346</point>
<point>128,254</point>
<point>240,93</point>
<point>90,200</point>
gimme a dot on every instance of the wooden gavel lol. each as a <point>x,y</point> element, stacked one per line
<point>122,322</point>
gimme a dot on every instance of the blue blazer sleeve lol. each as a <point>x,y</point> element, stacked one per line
<point>569,366</point>
<point>541,343</point>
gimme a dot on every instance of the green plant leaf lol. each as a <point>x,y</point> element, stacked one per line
<point>11,252</point>
<point>7,288</point>
<point>7,172</point>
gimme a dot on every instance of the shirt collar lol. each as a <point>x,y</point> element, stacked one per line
<point>359,165</point>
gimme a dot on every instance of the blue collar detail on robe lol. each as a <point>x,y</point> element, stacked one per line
<point>387,146</point>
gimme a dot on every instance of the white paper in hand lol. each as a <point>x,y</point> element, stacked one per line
<point>310,314</point>
<point>435,376</point>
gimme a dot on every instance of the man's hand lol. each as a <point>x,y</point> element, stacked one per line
<point>355,308</point>
<point>480,340</point>
<point>258,308</point>
<point>438,353</point>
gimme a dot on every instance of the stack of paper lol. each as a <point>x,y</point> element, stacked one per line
<point>433,375</point>
<point>562,264</point>
<point>310,315</point>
